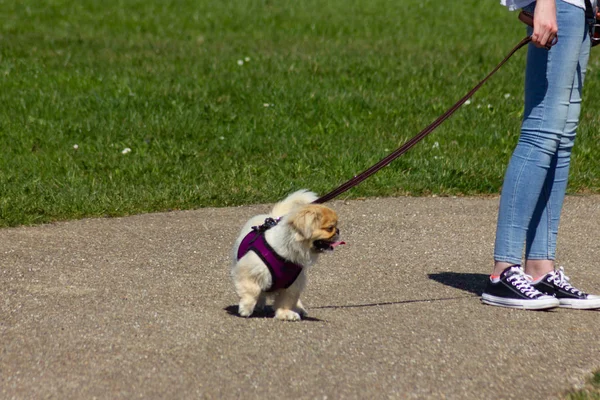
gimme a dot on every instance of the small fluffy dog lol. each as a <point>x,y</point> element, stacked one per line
<point>273,252</point>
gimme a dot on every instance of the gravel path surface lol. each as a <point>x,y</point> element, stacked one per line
<point>143,307</point>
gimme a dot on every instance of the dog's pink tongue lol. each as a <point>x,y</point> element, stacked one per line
<point>336,244</point>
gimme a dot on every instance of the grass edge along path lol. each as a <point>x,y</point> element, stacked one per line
<point>590,391</point>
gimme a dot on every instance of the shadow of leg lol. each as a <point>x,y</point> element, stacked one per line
<point>472,283</point>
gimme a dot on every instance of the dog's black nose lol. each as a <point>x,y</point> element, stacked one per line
<point>337,231</point>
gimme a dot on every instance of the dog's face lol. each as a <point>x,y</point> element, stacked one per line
<point>315,225</point>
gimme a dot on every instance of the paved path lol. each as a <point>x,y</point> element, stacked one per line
<point>142,307</point>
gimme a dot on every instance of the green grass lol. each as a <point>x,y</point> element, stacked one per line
<point>590,392</point>
<point>345,81</point>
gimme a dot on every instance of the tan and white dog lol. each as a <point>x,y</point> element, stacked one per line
<point>273,252</point>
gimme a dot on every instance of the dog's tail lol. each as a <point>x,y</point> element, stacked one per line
<point>294,200</point>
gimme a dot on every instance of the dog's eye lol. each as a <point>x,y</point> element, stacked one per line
<point>330,228</point>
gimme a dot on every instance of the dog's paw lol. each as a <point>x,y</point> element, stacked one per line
<point>287,315</point>
<point>244,310</point>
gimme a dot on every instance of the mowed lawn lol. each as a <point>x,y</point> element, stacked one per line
<point>130,106</point>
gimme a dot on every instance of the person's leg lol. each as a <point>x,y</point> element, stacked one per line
<point>540,250</point>
<point>549,79</point>
<point>541,242</point>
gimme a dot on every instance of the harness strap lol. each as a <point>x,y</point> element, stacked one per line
<point>283,273</point>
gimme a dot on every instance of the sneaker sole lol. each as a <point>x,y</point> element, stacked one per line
<point>580,304</point>
<point>538,304</point>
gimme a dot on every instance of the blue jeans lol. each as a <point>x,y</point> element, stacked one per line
<point>536,178</point>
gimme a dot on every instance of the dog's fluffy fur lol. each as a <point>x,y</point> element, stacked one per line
<point>302,224</point>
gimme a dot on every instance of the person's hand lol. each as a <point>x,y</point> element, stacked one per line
<point>545,28</point>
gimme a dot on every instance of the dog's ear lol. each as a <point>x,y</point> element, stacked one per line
<point>304,222</point>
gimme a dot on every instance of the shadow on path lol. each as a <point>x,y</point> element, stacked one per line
<point>390,303</point>
<point>267,312</point>
<point>469,282</point>
<point>472,283</point>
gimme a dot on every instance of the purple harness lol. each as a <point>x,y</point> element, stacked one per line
<point>283,272</point>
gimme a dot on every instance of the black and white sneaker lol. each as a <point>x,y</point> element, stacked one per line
<point>556,283</point>
<point>513,289</point>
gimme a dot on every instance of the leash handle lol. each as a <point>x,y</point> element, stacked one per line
<point>420,136</point>
<point>527,18</point>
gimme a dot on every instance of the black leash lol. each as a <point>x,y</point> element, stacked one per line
<point>524,17</point>
<point>410,143</point>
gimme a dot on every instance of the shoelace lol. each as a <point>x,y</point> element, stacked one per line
<point>523,283</point>
<point>562,281</point>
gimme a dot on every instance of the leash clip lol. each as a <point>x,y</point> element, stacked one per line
<point>268,224</point>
